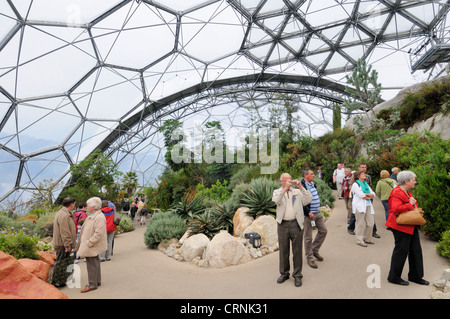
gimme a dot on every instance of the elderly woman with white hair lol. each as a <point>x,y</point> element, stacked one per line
<point>407,241</point>
<point>92,242</point>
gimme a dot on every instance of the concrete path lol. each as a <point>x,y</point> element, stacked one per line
<point>136,272</point>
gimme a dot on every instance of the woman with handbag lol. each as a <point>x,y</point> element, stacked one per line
<point>407,241</point>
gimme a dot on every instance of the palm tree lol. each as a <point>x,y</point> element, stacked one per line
<point>130,182</point>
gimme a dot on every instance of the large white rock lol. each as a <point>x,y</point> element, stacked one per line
<point>241,220</point>
<point>225,250</point>
<point>194,246</point>
<point>266,227</point>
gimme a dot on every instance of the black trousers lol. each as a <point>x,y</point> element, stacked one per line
<point>289,231</point>
<point>406,245</point>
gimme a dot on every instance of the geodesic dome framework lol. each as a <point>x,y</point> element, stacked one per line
<point>78,75</point>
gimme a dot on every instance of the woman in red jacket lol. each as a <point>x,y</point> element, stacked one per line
<point>110,230</point>
<point>407,241</point>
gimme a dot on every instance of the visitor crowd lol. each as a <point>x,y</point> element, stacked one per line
<point>298,212</point>
<point>89,232</point>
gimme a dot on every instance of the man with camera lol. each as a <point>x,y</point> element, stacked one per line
<point>290,217</point>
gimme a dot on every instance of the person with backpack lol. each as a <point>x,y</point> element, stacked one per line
<point>133,210</point>
<point>126,206</point>
<point>143,213</point>
<point>110,230</point>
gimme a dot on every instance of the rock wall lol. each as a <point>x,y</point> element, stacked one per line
<point>437,124</point>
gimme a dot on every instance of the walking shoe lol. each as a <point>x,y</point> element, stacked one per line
<point>312,264</point>
<point>351,232</point>
<point>376,235</point>
<point>282,279</point>
<point>87,289</point>
<point>298,281</point>
<point>401,282</point>
<point>318,257</point>
<point>421,282</point>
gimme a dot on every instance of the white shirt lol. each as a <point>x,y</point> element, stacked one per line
<point>358,203</point>
<point>340,174</point>
<point>289,212</point>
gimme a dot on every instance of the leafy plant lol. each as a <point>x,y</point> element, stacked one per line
<point>223,214</point>
<point>126,224</point>
<point>218,191</point>
<point>430,192</point>
<point>443,246</point>
<point>203,224</point>
<point>19,244</point>
<point>258,199</point>
<point>190,205</point>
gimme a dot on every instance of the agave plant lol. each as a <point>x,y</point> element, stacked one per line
<point>223,214</point>
<point>203,223</point>
<point>258,199</point>
<point>189,206</point>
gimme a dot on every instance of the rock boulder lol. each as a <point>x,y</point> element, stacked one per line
<point>266,227</point>
<point>37,267</point>
<point>17,282</point>
<point>241,221</point>
<point>225,250</point>
<point>194,246</point>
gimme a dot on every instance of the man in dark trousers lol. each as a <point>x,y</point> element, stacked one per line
<point>64,239</point>
<point>289,216</point>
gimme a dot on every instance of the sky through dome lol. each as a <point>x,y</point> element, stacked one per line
<point>76,75</point>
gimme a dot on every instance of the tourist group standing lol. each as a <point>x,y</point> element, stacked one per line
<point>89,232</point>
<point>298,212</point>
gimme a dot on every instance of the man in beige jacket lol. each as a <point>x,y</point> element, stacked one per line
<point>93,242</point>
<point>64,237</point>
<point>289,216</point>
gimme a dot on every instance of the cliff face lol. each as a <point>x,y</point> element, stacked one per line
<point>438,124</point>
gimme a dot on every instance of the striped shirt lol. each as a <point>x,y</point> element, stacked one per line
<point>315,203</point>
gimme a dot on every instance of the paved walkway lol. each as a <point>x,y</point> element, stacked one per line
<point>137,272</point>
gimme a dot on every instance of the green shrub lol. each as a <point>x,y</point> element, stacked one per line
<point>218,191</point>
<point>432,192</point>
<point>27,226</point>
<point>162,227</point>
<point>443,246</point>
<point>126,224</point>
<point>19,244</point>
<point>325,193</point>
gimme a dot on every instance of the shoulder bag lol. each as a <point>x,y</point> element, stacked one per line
<point>412,217</point>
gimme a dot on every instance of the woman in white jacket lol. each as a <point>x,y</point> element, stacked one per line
<point>363,209</point>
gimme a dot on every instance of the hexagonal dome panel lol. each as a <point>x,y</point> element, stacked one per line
<point>76,75</point>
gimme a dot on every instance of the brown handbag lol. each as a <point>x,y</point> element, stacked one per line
<point>412,217</point>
